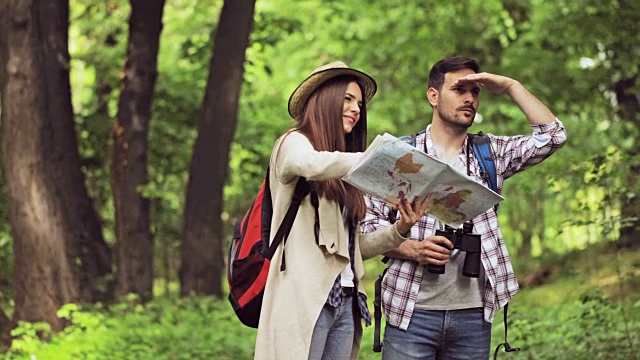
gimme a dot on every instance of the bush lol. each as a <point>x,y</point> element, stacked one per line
<point>590,328</point>
<point>189,328</point>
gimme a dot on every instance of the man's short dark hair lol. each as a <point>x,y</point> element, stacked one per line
<point>439,69</point>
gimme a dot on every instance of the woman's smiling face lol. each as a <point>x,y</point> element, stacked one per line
<point>351,107</point>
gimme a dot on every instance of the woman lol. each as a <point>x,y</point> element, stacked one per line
<point>312,309</point>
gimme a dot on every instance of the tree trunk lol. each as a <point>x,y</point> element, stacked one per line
<point>630,205</point>
<point>48,36</point>
<point>4,29</point>
<point>134,247</point>
<point>202,257</point>
<point>5,321</point>
<point>85,241</point>
<point>54,226</point>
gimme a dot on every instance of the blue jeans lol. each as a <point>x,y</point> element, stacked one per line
<point>440,335</point>
<point>333,334</point>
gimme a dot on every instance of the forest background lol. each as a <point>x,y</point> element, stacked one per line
<point>134,133</point>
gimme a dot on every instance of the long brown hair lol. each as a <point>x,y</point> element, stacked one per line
<point>321,123</point>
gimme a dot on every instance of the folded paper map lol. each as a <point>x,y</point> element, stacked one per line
<point>392,169</point>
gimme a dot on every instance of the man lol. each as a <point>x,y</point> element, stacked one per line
<point>448,316</point>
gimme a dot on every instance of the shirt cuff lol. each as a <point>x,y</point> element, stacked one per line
<point>546,128</point>
<point>542,132</point>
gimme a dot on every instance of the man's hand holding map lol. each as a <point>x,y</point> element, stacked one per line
<point>392,169</point>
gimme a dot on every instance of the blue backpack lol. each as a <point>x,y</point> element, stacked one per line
<point>482,150</point>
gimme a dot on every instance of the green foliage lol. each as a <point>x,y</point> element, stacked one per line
<point>590,328</point>
<point>166,328</point>
<point>27,336</point>
<point>597,319</point>
<point>97,45</point>
<point>6,270</point>
<point>571,54</point>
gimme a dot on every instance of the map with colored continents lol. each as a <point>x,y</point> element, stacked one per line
<point>392,169</point>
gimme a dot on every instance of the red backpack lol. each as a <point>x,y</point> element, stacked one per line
<point>250,253</point>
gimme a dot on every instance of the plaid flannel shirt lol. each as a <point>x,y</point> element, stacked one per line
<point>512,154</point>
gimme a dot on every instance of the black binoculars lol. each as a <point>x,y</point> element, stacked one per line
<point>464,240</point>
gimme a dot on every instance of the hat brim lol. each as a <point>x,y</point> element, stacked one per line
<point>301,94</point>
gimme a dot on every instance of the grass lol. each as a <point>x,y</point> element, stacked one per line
<point>589,309</point>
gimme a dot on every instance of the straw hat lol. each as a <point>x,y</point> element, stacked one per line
<point>318,76</point>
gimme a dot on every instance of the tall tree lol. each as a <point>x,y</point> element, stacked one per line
<point>5,321</point>
<point>629,99</point>
<point>202,260</point>
<point>134,246</point>
<point>59,250</point>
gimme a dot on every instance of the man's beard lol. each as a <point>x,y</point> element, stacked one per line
<point>455,120</point>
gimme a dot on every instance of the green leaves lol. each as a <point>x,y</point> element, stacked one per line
<point>166,328</point>
<point>591,326</point>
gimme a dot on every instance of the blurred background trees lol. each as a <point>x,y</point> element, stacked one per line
<point>134,133</point>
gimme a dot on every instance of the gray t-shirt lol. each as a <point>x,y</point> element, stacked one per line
<point>451,290</point>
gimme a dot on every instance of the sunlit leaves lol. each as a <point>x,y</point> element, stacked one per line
<point>167,328</point>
